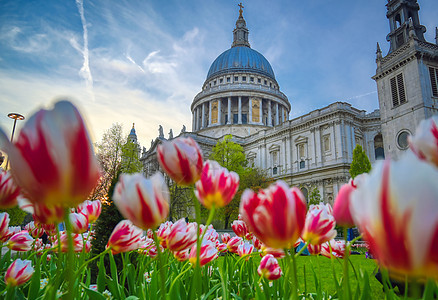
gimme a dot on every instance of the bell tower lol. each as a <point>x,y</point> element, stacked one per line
<point>406,77</point>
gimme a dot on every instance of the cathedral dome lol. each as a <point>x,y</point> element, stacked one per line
<point>241,59</point>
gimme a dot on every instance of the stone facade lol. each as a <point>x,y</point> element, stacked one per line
<point>241,97</point>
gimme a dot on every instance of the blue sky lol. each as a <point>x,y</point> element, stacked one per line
<point>143,61</point>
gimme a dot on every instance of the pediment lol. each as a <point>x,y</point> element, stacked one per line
<point>300,139</point>
<point>274,147</point>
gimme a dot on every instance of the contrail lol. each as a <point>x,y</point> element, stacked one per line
<point>85,70</point>
<point>359,96</point>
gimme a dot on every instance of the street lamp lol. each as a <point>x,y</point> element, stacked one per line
<point>15,116</point>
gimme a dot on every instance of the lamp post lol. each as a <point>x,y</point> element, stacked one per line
<point>15,116</point>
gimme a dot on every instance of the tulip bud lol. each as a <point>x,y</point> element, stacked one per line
<point>269,268</point>
<point>207,254</point>
<point>320,224</point>
<point>91,209</point>
<point>181,236</point>
<point>19,272</point>
<point>125,237</point>
<point>20,241</point>
<point>9,191</point>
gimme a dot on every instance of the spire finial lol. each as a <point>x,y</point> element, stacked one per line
<point>240,9</point>
<point>133,125</point>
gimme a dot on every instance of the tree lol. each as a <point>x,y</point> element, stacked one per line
<point>130,158</point>
<point>16,215</point>
<point>361,163</point>
<point>314,197</point>
<point>229,155</point>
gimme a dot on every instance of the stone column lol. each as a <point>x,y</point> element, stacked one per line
<point>239,116</point>
<point>353,137</point>
<point>335,146</point>
<point>203,116</point>
<point>198,118</point>
<point>269,114</point>
<point>194,120</point>
<point>229,110</point>
<point>219,111</point>
<point>209,112</point>
<point>277,119</point>
<point>349,145</point>
<point>318,147</point>
<point>261,111</point>
<point>250,111</point>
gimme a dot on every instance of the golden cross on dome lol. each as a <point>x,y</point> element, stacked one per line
<point>241,6</point>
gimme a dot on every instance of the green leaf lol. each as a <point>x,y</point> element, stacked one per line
<point>101,276</point>
<point>131,279</point>
<point>211,291</point>
<point>113,287</point>
<point>366,291</point>
<point>132,298</point>
<point>35,282</point>
<point>93,294</point>
<point>4,263</point>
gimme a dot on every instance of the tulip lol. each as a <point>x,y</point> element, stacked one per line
<point>234,243</point>
<point>50,229</point>
<point>217,185</point>
<point>182,160</point>
<point>269,268</point>
<point>143,201</point>
<point>91,209</point>
<point>19,272</point>
<point>207,254</point>
<point>4,223</point>
<point>396,209</point>
<point>239,228</point>
<point>425,141</point>
<point>314,249</point>
<point>163,231</point>
<point>320,224</point>
<point>79,223</point>
<point>182,255</point>
<point>275,215</point>
<point>53,159</point>
<point>8,190</point>
<point>225,237</point>
<point>20,241</point>
<point>211,235</point>
<point>341,208</point>
<point>245,249</point>
<point>48,214</point>
<point>35,230</point>
<point>181,235</point>
<point>78,243</point>
<point>337,249</point>
<point>125,237</point>
<point>257,243</point>
<point>277,253</point>
<point>11,231</point>
<point>221,247</point>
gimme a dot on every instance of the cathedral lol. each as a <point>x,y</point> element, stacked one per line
<point>242,97</point>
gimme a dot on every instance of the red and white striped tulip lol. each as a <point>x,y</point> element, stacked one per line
<point>21,241</point>
<point>181,158</point>
<point>239,228</point>
<point>50,229</point>
<point>182,255</point>
<point>78,243</point>
<point>143,201</point>
<point>91,209</point>
<point>425,141</point>
<point>396,209</point>
<point>275,215</point>
<point>34,229</point>
<point>221,247</point>
<point>277,253</point>
<point>79,222</point>
<point>245,249</point>
<point>314,249</point>
<point>211,235</point>
<point>337,249</point>
<point>163,231</point>
<point>52,159</point>
<point>217,185</point>
<point>181,235</point>
<point>4,224</point>
<point>125,237</point>
<point>320,224</point>
<point>207,254</point>
<point>234,243</point>
<point>9,191</point>
<point>11,231</point>
<point>19,272</point>
<point>269,268</point>
<point>257,243</point>
<point>341,208</point>
<point>225,237</point>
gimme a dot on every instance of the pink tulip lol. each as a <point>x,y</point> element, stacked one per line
<point>275,215</point>
<point>239,228</point>
<point>78,243</point>
<point>277,253</point>
<point>19,272</point>
<point>207,254</point>
<point>20,241</point>
<point>125,237</point>
<point>53,159</point>
<point>257,243</point>
<point>181,236</point>
<point>4,223</point>
<point>211,235</point>
<point>234,243</point>
<point>269,268</point>
<point>217,185</point>
<point>11,231</point>
<point>182,255</point>
<point>181,159</point>
<point>50,229</point>
<point>48,214</point>
<point>245,249</point>
<point>314,249</point>
<point>337,249</point>
<point>9,191</point>
<point>79,223</point>
<point>425,141</point>
<point>225,237</point>
<point>35,230</point>
<point>396,209</point>
<point>163,231</point>
<point>91,209</point>
<point>320,224</point>
<point>143,201</point>
<point>221,247</point>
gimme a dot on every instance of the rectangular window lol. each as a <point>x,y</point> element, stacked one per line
<point>398,90</point>
<point>236,78</point>
<point>434,81</point>
<point>226,119</point>
<point>214,82</point>
<point>243,78</point>
<point>244,118</point>
<point>266,82</point>
<point>259,80</point>
<point>221,80</point>
<point>251,79</point>
<point>302,164</point>
<point>228,79</point>
<point>235,118</point>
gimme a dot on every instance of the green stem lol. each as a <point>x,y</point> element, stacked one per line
<point>345,281</point>
<point>294,276</point>
<point>161,267</point>
<point>91,259</point>
<point>210,218</point>
<point>70,276</point>
<point>178,277</point>
<point>197,276</point>
<point>302,249</point>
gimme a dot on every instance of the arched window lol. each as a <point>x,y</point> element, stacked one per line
<point>379,152</point>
